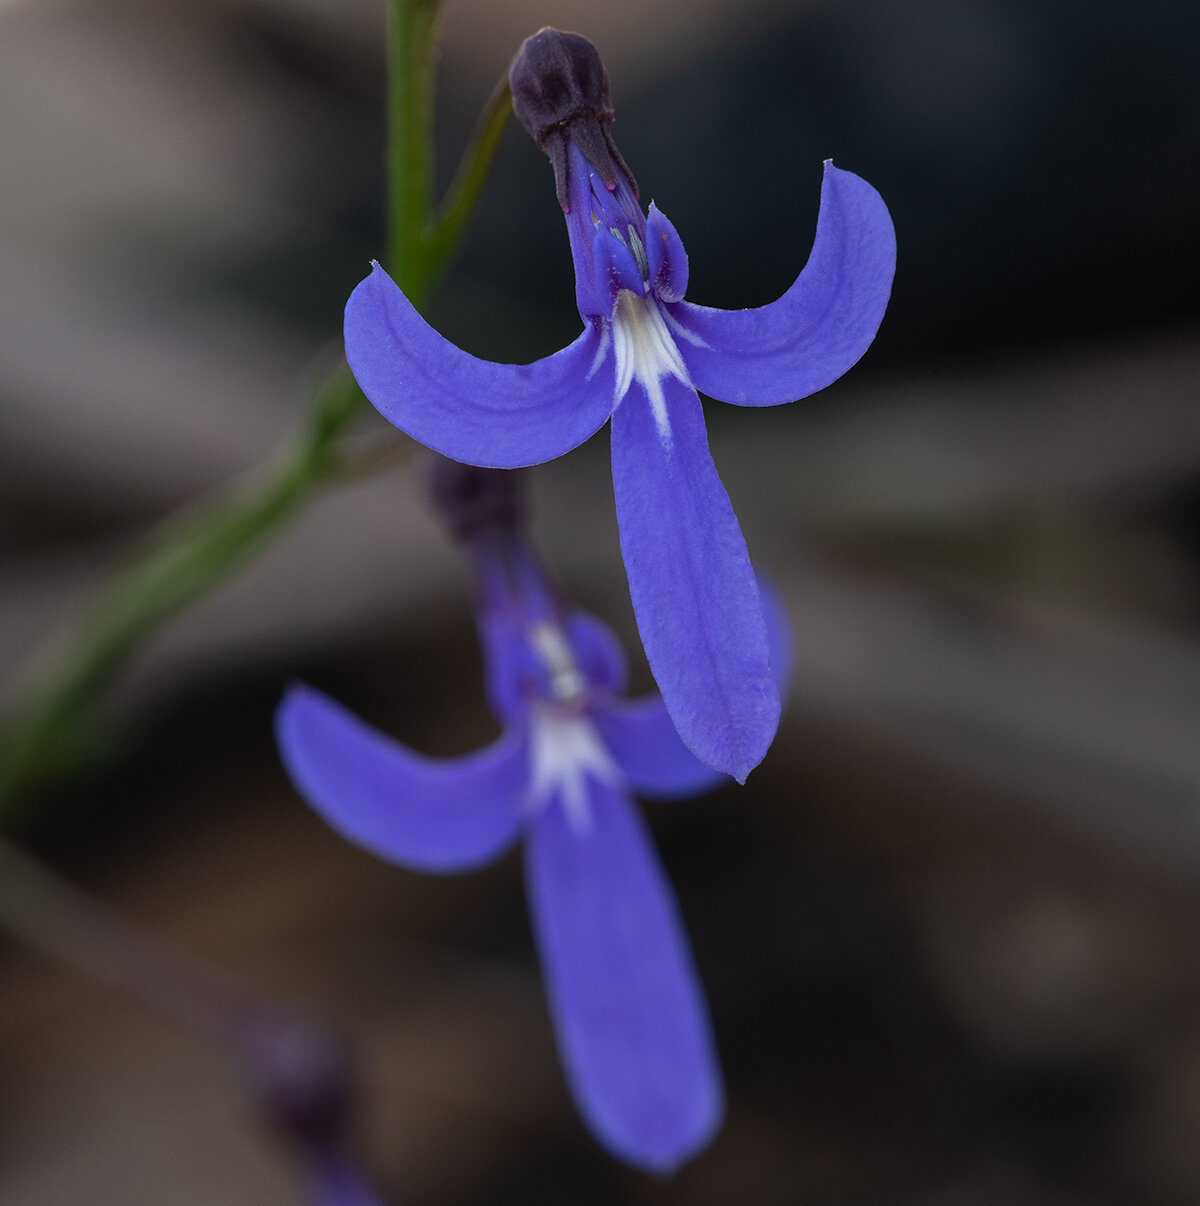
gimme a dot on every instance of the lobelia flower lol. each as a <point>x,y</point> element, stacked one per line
<point>628,1011</point>
<point>643,354</point>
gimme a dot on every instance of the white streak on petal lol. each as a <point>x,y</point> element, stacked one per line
<point>682,331</point>
<point>646,352</point>
<point>658,408</point>
<point>566,749</point>
<point>601,353</point>
<point>566,679</point>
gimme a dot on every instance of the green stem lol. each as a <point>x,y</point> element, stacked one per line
<point>412,30</point>
<point>449,224</point>
<point>205,542</point>
<point>177,564</point>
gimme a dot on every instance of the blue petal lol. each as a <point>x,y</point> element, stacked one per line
<point>691,582</point>
<point>424,813</point>
<point>628,1009</point>
<point>820,327</point>
<point>514,595</point>
<point>666,257</point>
<point>500,416</point>
<point>642,739</point>
<point>598,652</point>
<point>600,222</point>
<point>779,634</point>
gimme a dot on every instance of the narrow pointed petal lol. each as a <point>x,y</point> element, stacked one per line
<point>820,327</point>
<point>598,652</point>
<point>691,582</point>
<point>668,262</point>
<point>425,813</point>
<point>628,1009</point>
<point>501,416</point>
<point>641,736</point>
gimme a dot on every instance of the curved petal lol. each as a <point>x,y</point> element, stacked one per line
<point>500,416</point>
<point>642,739</point>
<point>691,582</point>
<point>424,813</point>
<point>628,1009</point>
<point>820,327</point>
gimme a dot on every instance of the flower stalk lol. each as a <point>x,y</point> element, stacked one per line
<point>46,732</point>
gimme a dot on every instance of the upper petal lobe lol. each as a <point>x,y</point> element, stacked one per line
<point>820,327</point>
<point>501,416</point>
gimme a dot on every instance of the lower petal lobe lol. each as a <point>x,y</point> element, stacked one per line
<point>501,416</point>
<point>691,583</point>
<point>425,813</point>
<point>820,327</point>
<point>628,1009</point>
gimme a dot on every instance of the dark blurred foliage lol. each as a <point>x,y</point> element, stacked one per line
<point>949,928</point>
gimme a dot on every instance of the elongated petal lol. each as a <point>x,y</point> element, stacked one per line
<point>628,1010</point>
<point>425,813</point>
<point>820,327</point>
<point>500,416</point>
<point>691,583</point>
<point>641,736</point>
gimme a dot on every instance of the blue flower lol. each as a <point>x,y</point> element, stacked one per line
<point>628,1010</point>
<point>643,354</point>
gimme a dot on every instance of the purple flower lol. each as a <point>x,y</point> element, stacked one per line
<point>643,354</point>
<point>307,1086</point>
<point>628,1010</point>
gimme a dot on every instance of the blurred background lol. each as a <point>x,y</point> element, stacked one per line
<point>950,929</point>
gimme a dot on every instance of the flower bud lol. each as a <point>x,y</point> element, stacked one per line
<point>560,91</point>
<point>472,500</point>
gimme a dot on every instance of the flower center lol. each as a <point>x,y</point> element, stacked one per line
<point>567,683</point>
<point>566,749</point>
<point>645,351</point>
<point>565,745</point>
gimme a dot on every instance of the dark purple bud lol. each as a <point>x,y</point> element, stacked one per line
<point>472,500</point>
<point>560,91</point>
<point>303,1079</point>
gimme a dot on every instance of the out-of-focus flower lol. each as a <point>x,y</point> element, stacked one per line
<point>306,1085</point>
<point>628,1010</point>
<point>642,356</point>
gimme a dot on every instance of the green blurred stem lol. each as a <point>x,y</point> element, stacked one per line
<point>412,31</point>
<point>179,562</point>
<point>421,244</point>
<point>204,543</point>
<point>449,224</point>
